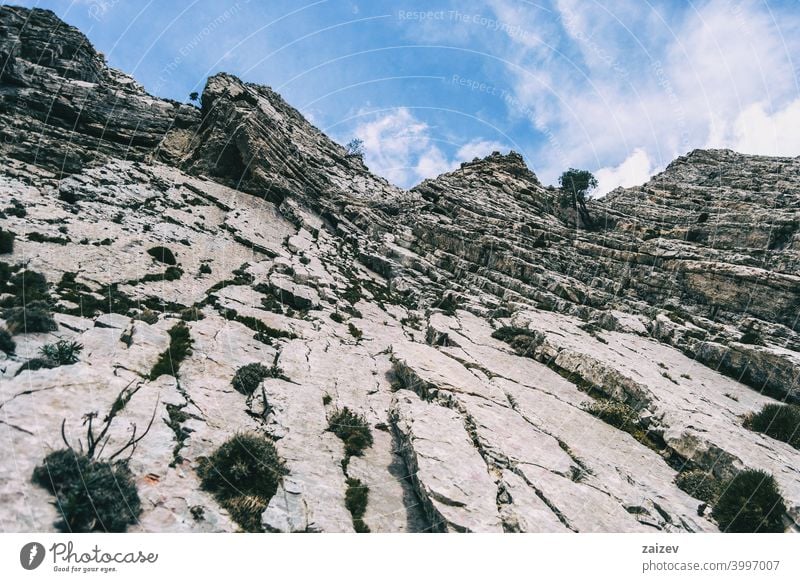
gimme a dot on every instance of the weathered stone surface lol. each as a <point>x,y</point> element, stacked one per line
<point>679,300</point>
<point>451,478</point>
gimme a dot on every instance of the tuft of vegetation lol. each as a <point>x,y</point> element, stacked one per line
<point>7,344</point>
<point>17,209</point>
<point>326,399</point>
<point>779,421</point>
<point>24,286</point>
<point>352,428</point>
<point>62,352</point>
<point>337,317</point>
<point>6,242</point>
<point>352,294</point>
<point>751,503</point>
<point>264,333</point>
<point>93,494</point>
<point>354,331</point>
<point>205,269</point>
<point>523,341</point>
<point>46,238</point>
<point>147,316</point>
<point>617,414</point>
<point>89,302</point>
<point>699,484</point>
<point>33,318</point>
<point>162,255</point>
<point>180,346</point>
<point>248,377</point>
<point>448,303</point>
<point>355,499</point>
<point>90,495</point>
<point>243,475</point>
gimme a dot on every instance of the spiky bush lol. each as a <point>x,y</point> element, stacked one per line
<point>779,421</point>
<point>751,503</point>
<point>243,474</point>
<point>90,495</point>
<point>699,484</point>
<point>248,377</point>
<point>352,428</point>
<point>62,352</point>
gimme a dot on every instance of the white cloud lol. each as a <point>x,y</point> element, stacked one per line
<point>634,85</point>
<point>636,169</point>
<point>758,132</point>
<point>478,149</point>
<point>404,150</point>
<point>395,144</point>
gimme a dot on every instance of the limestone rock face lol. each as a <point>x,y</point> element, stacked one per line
<point>62,108</point>
<point>467,324</point>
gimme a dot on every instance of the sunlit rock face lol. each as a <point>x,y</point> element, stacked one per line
<point>474,332</point>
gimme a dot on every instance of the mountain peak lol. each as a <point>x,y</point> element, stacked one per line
<point>39,38</point>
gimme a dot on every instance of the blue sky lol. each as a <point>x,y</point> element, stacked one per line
<point>619,87</point>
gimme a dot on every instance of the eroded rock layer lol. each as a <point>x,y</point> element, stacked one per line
<point>468,322</point>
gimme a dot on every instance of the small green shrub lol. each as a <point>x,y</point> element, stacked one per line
<point>7,344</point>
<point>27,286</point>
<point>62,352</point>
<point>326,399</point>
<point>355,499</point>
<point>352,428</point>
<point>523,341</point>
<point>699,484</point>
<point>617,414</point>
<point>751,503</point>
<point>248,377</point>
<point>46,238</point>
<point>162,255</point>
<point>34,318</point>
<point>147,316</point>
<point>448,303</point>
<point>779,421</point>
<point>205,269</point>
<point>352,294</point>
<point>337,317</point>
<point>6,242</point>
<point>180,346</point>
<point>17,209</point>
<point>90,495</point>
<point>354,331</point>
<point>243,474</point>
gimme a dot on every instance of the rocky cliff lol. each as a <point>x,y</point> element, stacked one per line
<point>501,369</point>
